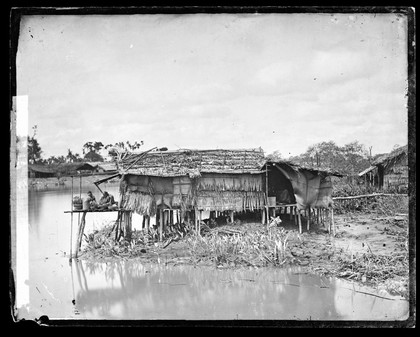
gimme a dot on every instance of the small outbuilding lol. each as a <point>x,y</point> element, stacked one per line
<point>40,171</point>
<point>389,172</point>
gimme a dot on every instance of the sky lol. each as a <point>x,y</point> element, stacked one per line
<point>277,81</point>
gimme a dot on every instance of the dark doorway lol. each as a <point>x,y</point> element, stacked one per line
<point>280,187</point>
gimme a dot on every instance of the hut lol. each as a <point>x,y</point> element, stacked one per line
<point>78,168</point>
<point>180,185</point>
<point>40,171</point>
<point>297,188</point>
<point>390,171</point>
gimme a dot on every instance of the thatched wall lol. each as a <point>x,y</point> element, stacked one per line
<point>220,192</point>
<point>187,179</point>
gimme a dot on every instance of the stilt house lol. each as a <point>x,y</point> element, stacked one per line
<point>192,181</point>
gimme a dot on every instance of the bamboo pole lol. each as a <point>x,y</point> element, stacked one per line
<point>266,192</point>
<point>161,224</point>
<point>299,221</point>
<point>199,223</point>
<point>196,219</point>
<point>80,231</point>
<point>317,216</point>
<point>71,219</point>
<point>143,222</point>
<point>147,222</point>
<point>327,217</point>
<point>308,221</point>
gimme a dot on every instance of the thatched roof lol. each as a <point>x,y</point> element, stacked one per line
<point>105,165</point>
<point>393,155</point>
<point>193,163</point>
<point>325,171</point>
<point>366,171</point>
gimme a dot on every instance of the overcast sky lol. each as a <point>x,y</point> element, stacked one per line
<point>279,81</point>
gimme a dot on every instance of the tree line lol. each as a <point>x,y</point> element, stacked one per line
<point>90,151</point>
<point>349,159</point>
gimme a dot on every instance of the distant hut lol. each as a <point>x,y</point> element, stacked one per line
<point>185,183</point>
<point>105,167</point>
<point>40,171</point>
<point>78,168</point>
<point>390,171</point>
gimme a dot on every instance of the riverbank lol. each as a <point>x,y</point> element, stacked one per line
<point>369,247</point>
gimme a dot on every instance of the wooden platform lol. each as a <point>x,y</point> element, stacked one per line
<point>96,210</point>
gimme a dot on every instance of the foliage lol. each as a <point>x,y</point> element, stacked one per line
<point>34,149</point>
<point>348,159</point>
<point>73,157</point>
<point>92,147</point>
<point>125,145</point>
<point>93,156</point>
<point>274,156</point>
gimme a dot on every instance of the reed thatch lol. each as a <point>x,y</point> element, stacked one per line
<point>396,156</point>
<point>187,179</point>
<point>193,163</point>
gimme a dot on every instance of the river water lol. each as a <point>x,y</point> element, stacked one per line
<point>128,289</point>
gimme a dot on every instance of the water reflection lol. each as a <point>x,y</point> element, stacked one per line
<point>131,290</point>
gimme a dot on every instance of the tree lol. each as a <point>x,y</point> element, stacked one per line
<point>55,160</point>
<point>91,151</point>
<point>125,146</point>
<point>73,157</point>
<point>34,149</point>
<point>348,159</point>
<point>93,156</point>
<point>275,156</point>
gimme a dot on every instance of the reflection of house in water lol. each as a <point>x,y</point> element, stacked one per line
<point>389,172</point>
<point>130,290</point>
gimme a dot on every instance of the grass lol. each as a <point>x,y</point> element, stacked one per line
<point>256,248</point>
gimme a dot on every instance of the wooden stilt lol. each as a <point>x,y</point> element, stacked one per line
<point>71,216</point>
<point>262,216</point>
<point>199,223</point>
<point>231,217</point>
<point>143,223</point>
<point>308,221</point>
<point>327,217</point>
<point>196,220</point>
<point>299,221</point>
<point>290,213</point>
<point>128,226</point>
<point>80,231</point>
<point>160,224</point>
<point>332,221</point>
<point>317,216</point>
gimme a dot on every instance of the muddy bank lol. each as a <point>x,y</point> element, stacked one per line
<point>368,248</point>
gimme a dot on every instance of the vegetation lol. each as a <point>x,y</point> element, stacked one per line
<point>90,151</point>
